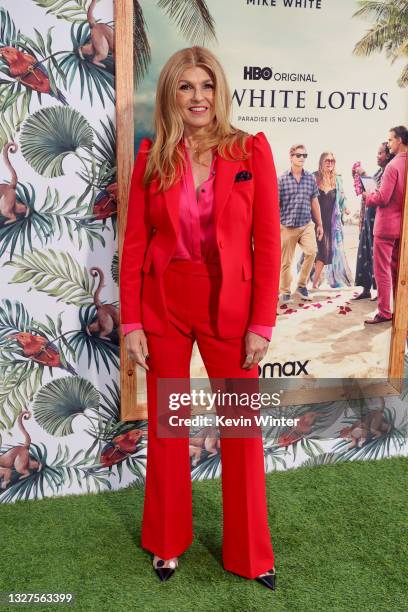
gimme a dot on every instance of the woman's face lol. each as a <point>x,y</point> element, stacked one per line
<point>195,98</point>
<point>329,163</point>
<point>382,156</point>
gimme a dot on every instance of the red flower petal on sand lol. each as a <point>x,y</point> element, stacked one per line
<point>347,309</point>
<point>342,312</point>
<point>306,307</point>
<point>284,306</point>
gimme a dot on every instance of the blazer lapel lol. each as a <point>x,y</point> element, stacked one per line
<point>224,180</point>
<point>171,200</point>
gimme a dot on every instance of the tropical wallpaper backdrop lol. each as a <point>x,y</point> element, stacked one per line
<point>60,429</point>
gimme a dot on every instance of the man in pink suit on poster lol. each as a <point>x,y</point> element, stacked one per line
<point>389,199</point>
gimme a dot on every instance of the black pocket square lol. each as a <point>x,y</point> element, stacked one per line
<point>242,176</point>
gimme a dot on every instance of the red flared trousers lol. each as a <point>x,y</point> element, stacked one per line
<point>191,290</point>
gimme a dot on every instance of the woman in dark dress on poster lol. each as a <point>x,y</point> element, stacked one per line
<point>333,207</point>
<point>364,267</point>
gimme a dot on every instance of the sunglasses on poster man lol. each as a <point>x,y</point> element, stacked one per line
<point>299,155</point>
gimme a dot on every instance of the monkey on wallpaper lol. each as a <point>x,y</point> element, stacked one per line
<point>41,350</point>
<point>107,315</point>
<point>102,40</point>
<point>26,69</point>
<point>9,207</point>
<point>372,425</point>
<point>18,457</point>
<point>206,439</point>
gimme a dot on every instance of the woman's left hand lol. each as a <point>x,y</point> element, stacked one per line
<point>256,347</point>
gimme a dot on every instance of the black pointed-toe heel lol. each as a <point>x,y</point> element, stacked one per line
<point>164,573</point>
<point>269,580</point>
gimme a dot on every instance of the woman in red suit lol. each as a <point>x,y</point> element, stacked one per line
<point>200,262</point>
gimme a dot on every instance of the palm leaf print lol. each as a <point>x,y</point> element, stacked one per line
<point>56,274</point>
<point>9,35</point>
<point>323,459</point>
<point>274,456</point>
<point>60,401</point>
<point>71,10</point>
<point>50,134</point>
<point>13,111</point>
<point>18,387</point>
<point>111,402</point>
<point>13,317</point>
<point>62,217</point>
<point>210,467</point>
<point>49,222</point>
<point>107,144</point>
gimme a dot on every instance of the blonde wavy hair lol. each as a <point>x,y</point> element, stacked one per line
<point>326,178</point>
<point>166,160</point>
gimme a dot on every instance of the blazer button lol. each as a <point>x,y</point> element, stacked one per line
<point>220,244</point>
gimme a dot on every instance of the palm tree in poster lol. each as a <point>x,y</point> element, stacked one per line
<point>192,18</point>
<point>389,32</point>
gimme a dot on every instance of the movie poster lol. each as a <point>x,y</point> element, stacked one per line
<point>299,71</point>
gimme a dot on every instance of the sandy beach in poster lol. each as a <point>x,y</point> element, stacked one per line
<point>336,345</point>
<point>329,331</point>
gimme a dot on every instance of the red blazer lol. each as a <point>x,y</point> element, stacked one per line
<point>247,224</point>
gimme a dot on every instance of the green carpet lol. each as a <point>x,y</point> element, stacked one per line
<point>339,534</point>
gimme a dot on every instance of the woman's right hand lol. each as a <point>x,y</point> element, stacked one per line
<point>136,345</point>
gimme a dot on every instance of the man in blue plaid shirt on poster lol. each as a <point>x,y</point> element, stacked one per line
<point>299,212</point>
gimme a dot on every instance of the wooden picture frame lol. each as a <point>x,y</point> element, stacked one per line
<point>130,410</point>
